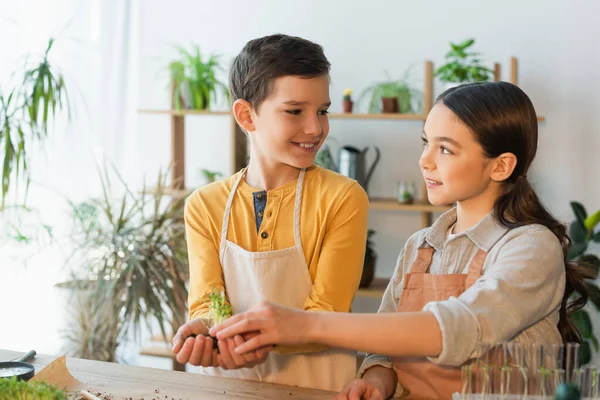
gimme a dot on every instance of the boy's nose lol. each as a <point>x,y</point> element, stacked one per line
<point>313,127</point>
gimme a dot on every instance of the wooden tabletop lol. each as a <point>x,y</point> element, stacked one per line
<point>177,385</point>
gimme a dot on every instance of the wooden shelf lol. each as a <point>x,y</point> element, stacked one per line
<point>394,205</point>
<point>184,112</point>
<point>375,289</point>
<point>391,117</point>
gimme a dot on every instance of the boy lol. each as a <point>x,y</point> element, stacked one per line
<point>281,229</point>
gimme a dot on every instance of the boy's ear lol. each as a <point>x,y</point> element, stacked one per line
<point>242,111</point>
<point>504,166</point>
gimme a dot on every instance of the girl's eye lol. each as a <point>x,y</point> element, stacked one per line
<point>323,112</point>
<point>445,150</point>
<point>293,112</point>
<point>424,142</point>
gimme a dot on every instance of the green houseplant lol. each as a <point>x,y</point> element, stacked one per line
<point>392,96</point>
<point>582,232</point>
<point>195,85</point>
<point>131,255</point>
<point>25,113</point>
<point>462,65</point>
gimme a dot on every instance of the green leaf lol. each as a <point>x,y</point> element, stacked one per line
<point>594,294</point>
<point>577,232</point>
<point>579,211</point>
<point>576,250</point>
<point>581,319</point>
<point>585,354</point>
<point>591,221</point>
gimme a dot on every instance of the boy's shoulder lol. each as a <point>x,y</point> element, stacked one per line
<point>218,191</point>
<point>326,178</point>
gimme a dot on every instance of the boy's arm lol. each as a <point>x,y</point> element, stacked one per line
<point>205,266</point>
<point>341,259</point>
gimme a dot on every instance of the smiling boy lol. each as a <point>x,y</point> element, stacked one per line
<point>281,229</point>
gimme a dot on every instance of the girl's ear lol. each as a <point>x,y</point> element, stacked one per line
<point>242,111</point>
<point>504,166</point>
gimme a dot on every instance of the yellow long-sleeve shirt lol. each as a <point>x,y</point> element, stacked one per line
<point>333,230</point>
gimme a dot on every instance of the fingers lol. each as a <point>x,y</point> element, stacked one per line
<point>225,324</point>
<point>226,361</point>
<point>249,358</point>
<point>207,352</point>
<point>241,327</point>
<point>238,359</point>
<point>196,326</point>
<point>185,351</point>
<point>253,344</point>
<point>262,353</point>
<point>196,355</point>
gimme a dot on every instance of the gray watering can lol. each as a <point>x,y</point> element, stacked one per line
<point>352,163</point>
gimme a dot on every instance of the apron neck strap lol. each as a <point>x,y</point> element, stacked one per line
<point>297,203</point>
<point>475,267</point>
<point>423,261</point>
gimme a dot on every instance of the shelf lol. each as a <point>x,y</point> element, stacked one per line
<point>394,205</point>
<point>375,289</point>
<point>184,112</point>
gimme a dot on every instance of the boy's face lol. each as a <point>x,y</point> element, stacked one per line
<point>292,121</point>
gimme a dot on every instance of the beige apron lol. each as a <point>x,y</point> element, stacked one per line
<point>421,378</point>
<point>280,276</point>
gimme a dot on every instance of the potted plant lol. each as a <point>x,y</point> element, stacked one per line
<point>582,232</point>
<point>348,101</point>
<point>194,82</point>
<point>131,256</point>
<point>370,258</point>
<point>25,113</point>
<point>210,176</point>
<point>392,96</point>
<point>462,66</point>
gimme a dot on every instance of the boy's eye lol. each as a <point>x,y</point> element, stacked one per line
<point>293,112</point>
<point>323,112</point>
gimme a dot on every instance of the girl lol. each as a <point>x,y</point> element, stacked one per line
<point>492,269</point>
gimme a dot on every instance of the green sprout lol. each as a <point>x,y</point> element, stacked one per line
<point>14,389</point>
<point>219,309</point>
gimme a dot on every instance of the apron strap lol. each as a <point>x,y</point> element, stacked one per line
<point>475,267</point>
<point>225,227</point>
<point>423,261</point>
<point>297,207</point>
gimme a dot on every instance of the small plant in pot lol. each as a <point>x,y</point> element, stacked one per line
<point>195,85</point>
<point>392,96</point>
<point>348,103</point>
<point>370,259</point>
<point>462,66</point>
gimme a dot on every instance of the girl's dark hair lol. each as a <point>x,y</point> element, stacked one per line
<point>503,120</point>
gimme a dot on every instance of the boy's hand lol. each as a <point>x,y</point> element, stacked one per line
<point>198,351</point>
<point>229,359</point>
<point>197,326</point>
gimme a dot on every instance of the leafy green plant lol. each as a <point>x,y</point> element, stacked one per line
<point>211,176</point>
<point>25,113</point>
<point>194,80</point>
<point>462,65</point>
<point>219,308</point>
<point>14,389</point>
<point>582,232</point>
<point>132,248</point>
<point>409,99</point>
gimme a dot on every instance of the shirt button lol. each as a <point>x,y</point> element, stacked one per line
<point>264,235</point>
<point>259,196</point>
<point>260,214</point>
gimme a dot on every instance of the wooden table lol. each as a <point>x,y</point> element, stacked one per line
<point>173,384</point>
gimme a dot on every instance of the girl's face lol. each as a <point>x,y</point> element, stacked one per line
<point>453,164</point>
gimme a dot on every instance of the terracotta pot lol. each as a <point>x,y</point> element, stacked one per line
<point>389,104</point>
<point>368,270</point>
<point>348,106</point>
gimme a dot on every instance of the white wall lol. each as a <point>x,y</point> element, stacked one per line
<point>555,42</point>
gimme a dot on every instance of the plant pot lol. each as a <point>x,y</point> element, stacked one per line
<point>389,104</point>
<point>348,106</point>
<point>368,270</point>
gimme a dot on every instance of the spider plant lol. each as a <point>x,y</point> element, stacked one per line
<point>132,247</point>
<point>409,99</point>
<point>25,113</point>
<point>194,81</point>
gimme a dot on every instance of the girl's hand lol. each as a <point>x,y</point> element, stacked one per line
<point>361,389</point>
<point>272,324</point>
<point>229,359</point>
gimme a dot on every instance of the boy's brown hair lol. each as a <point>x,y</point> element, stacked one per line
<point>265,59</point>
